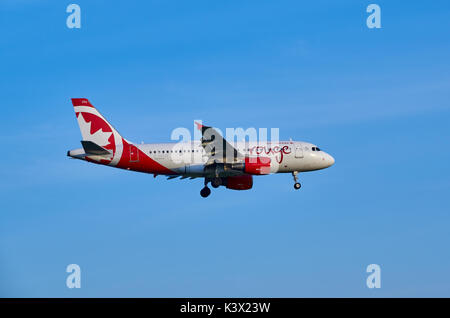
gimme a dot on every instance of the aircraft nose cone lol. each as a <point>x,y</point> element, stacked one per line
<point>330,160</point>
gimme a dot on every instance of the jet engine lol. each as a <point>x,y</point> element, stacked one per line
<point>253,165</point>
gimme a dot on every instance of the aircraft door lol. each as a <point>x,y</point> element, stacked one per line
<point>298,152</point>
<point>134,154</point>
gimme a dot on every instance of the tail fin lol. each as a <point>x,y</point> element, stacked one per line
<point>95,128</point>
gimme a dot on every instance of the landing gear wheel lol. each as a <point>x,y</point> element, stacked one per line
<point>205,192</point>
<point>216,182</point>
<point>297,184</point>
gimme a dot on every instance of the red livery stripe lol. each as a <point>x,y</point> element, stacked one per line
<point>81,102</point>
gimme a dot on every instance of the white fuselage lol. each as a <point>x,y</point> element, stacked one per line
<point>286,156</point>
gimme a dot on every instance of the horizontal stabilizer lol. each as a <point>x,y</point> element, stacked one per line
<point>91,148</point>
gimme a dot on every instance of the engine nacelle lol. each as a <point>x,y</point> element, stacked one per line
<point>244,182</point>
<point>257,165</point>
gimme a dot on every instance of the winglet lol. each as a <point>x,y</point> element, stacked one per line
<point>199,126</point>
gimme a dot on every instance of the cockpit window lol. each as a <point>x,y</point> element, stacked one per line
<point>315,149</point>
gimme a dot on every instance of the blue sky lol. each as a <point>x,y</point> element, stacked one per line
<point>377,100</point>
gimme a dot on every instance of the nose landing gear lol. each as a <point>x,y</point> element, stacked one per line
<point>297,185</point>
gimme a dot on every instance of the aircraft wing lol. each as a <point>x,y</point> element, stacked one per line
<point>217,148</point>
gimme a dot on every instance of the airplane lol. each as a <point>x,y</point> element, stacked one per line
<point>212,157</point>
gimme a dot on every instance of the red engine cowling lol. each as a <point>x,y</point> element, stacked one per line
<point>244,182</point>
<point>257,165</point>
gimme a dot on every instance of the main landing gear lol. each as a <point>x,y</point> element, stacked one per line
<point>215,183</point>
<point>205,191</point>
<point>297,184</point>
